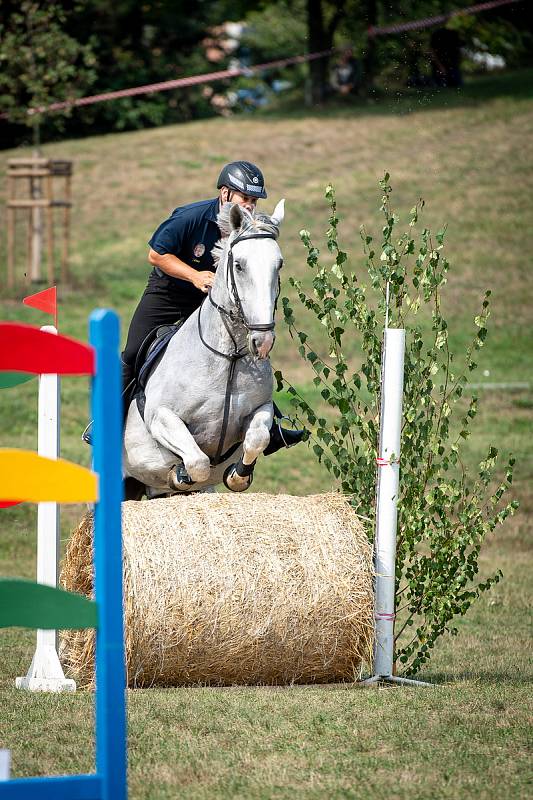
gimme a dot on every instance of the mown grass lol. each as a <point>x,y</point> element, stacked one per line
<point>469,156</point>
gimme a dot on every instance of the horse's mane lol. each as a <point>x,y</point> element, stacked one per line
<point>255,222</point>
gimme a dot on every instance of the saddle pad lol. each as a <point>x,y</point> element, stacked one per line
<point>153,356</point>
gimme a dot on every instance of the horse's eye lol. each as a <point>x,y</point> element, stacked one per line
<point>280,263</point>
<point>238,266</point>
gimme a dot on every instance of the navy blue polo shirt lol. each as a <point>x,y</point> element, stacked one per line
<point>190,233</point>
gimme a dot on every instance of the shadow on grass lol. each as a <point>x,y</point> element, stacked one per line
<point>487,677</point>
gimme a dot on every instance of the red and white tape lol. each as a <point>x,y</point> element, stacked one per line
<point>385,616</point>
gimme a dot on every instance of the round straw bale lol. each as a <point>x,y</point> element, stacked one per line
<point>229,589</point>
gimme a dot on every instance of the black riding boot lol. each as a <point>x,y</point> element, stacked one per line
<point>127,378</point>
<point>281,437</point>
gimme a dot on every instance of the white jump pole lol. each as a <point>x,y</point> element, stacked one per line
<point>388,481</point>
<point>45,672</point>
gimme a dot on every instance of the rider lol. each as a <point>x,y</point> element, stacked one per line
<point>182,274</point>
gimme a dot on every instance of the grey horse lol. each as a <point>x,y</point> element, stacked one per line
<point>208,409</point>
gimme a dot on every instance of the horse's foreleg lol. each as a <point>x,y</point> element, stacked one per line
<point>257,436</point>
<point>170,431</point>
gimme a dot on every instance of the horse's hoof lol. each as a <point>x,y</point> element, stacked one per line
<point>199,469</point>
<point>234,482</point>
<point>178,477</point>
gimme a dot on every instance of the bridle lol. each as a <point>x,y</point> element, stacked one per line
<point>237,315</point>
<point>241,316</point>
<point>233,316</point>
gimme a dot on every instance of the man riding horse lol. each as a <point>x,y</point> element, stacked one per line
<point>181,256</point>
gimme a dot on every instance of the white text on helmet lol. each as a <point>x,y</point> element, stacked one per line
<point>238,182</point>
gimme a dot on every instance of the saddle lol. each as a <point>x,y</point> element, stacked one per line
<point>150,354</point>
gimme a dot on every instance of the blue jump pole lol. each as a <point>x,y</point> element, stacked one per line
<point>111,760</point>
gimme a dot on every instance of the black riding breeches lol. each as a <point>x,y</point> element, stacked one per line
<point>159,305</point>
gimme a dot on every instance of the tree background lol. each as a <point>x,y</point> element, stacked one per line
<point>133,44</point>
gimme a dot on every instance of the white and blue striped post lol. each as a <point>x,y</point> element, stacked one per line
<point>111,762</point>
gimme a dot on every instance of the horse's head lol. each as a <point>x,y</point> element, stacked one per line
<point>252,272</point>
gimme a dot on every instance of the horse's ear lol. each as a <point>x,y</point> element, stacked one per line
<point>279,213</point>
<point>236,217</point>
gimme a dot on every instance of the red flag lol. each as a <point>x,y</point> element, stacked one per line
<point>45,301</point>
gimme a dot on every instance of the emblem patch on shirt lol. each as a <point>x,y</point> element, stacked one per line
<point>199,250</point>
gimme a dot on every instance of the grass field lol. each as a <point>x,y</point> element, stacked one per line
<point>470,156</point>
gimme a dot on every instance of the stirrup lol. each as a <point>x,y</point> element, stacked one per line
<point>292,429</point>
<point>283,437</point>
<point>87,435</point>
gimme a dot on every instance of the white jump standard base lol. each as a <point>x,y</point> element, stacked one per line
<point>388,472</point>
<point>45,673</point>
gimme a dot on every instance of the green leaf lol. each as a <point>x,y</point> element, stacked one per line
<point>318,451</point>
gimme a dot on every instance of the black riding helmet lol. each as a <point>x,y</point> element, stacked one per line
<point>244,177</point>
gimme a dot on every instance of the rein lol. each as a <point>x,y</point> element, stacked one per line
<point>227,317</point>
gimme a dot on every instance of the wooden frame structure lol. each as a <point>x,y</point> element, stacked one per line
<point>38,171</point>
